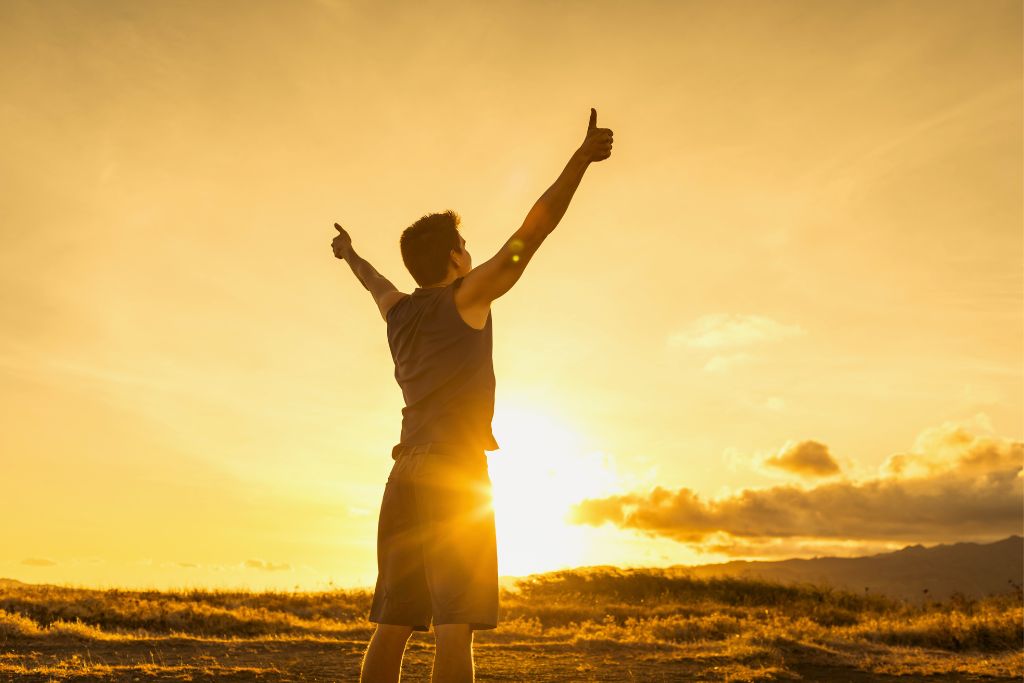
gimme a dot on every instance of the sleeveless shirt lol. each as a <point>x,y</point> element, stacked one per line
<point>445,370</point>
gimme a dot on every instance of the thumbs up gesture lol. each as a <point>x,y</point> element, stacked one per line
<point>341,245</point>
<point>597,145</point>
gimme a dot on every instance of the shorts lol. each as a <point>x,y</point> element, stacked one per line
<point>437,556</point>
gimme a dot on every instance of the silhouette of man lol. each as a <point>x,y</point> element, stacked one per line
<point>436,547</point>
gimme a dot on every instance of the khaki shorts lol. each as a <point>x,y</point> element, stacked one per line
<point>437,556</point>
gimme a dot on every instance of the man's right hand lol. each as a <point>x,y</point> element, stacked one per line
<point>597,145</point>
<point>341,245</point>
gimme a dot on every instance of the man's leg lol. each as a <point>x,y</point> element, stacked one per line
<point>383,660</point>
<point>453,656</point>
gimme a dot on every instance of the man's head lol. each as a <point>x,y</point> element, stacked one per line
<point>433,250</point>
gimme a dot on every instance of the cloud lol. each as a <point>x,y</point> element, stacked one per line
<point>807,458</point>
<point>722,362</point>
<point>726,544</point>
<point>954,485</point>
<point>940,449</point>
<point>267,566</point>
<point>724,330</point>
<point>38,562</point>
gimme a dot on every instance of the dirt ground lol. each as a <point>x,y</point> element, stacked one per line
<point>183,659</point>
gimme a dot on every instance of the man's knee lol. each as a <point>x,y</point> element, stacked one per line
<point>392,633</point>
<point>453,635</point>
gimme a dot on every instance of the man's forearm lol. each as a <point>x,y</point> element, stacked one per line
<point>549,209</point>
<point>367,275</point>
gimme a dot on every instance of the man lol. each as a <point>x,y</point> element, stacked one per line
<point>436,549</point>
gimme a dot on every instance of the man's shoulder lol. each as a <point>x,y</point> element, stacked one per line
<point>397,299</point>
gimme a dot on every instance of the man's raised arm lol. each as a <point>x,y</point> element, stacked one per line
<point>384,293</point>
<point>494,277</point>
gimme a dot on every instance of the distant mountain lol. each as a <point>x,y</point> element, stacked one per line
<point>11,582</point>
<point>973,569</point>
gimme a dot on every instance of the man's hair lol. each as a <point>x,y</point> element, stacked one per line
<point>426,245</point>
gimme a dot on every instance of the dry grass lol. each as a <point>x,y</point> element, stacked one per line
<point>584,623</point>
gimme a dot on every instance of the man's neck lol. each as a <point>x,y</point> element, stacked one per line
<point>444,283</point>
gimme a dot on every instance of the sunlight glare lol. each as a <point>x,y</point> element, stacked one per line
<point>540,471</point>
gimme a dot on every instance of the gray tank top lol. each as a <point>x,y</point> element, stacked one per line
<point>445,370</point>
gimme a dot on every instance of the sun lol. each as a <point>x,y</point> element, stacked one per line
<point>540,471</point>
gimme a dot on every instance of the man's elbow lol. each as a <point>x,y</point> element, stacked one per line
<point>527,240</point>
<point>380,286</point>
<point>538,223</point>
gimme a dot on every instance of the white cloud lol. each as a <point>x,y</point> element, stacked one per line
<point>266,566</point>
<point>732,330</point>
<point>722,363</point>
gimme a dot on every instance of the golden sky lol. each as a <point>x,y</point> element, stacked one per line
<point>794,289</point>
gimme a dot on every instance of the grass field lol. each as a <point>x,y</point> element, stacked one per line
<point>581,625</point>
